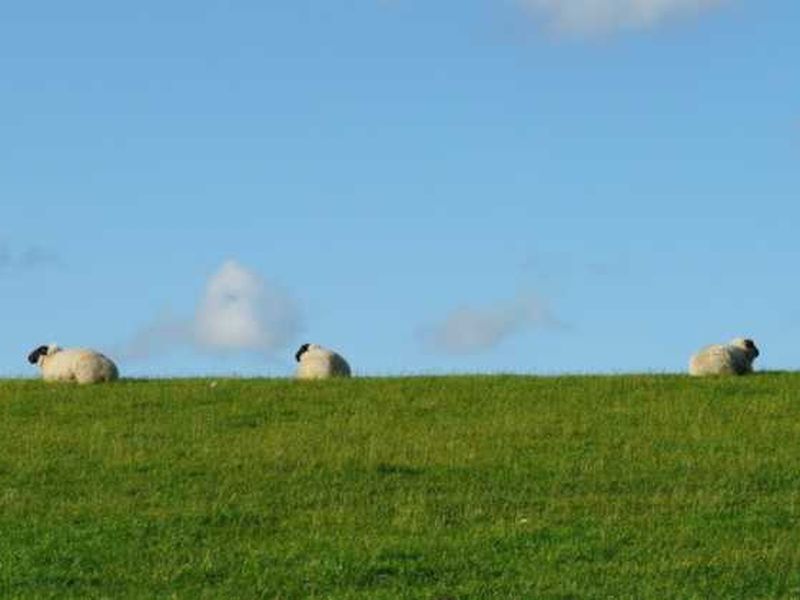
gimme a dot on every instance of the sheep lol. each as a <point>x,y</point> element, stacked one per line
<point>734,358</point>
<point>73,364</point>
<point>316,362</point>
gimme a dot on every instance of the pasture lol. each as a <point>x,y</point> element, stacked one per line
<point>439,488</point>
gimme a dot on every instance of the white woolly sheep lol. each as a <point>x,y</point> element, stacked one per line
<point>316,362</point>
<point>73,364</point>
<point>734,358</point>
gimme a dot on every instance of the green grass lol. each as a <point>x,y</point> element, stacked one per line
<point>435,488</point>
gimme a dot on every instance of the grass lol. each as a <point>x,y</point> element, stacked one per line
<point>443,488</point>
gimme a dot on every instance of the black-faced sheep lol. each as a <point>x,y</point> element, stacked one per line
<point>316,362</point>
<point>73,364</point>
<point>733,358</point>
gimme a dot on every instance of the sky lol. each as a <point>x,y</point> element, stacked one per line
<point>483,186</point>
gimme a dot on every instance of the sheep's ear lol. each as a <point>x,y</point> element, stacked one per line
<point>749,344</point>
<point>302,350</point>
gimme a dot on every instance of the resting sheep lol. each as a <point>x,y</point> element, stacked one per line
<point>734,358</point>
<point>316,362</point>
<point>73,364</point>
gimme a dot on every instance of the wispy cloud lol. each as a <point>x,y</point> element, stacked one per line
<point>164,333</point>
<point>468,330</point>
<point>239,311</point>
<point>26,259</point>
<point>591,17</point>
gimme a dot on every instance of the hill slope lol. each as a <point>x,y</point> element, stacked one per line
<point>439,488</point>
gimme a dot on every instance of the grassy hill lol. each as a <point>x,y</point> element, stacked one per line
<point>438,488</point>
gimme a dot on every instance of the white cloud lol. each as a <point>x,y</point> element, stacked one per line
<point>239,311</point>
<point>584,17</point>
<point>472,330</point>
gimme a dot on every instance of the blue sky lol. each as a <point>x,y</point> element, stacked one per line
<point>531,186</point>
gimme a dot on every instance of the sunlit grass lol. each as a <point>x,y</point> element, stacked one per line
<point>449,487</point>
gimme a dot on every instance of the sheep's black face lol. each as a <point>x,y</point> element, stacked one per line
<point>33,357</point>
<point>301,351</point>
<point>751,347</point>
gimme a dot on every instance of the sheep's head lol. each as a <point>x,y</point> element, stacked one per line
<point>748,346</point>
<point>34,356</point>
<point>302,350</point>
